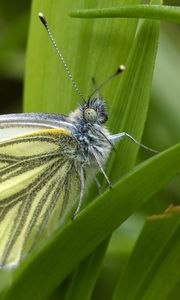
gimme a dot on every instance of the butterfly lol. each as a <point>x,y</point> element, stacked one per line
<point>44,161</point>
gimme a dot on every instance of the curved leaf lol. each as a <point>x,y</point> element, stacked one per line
<point>158,12</point>
<point>68,246</point>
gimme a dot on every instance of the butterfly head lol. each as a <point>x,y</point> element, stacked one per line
<point>95,111</point>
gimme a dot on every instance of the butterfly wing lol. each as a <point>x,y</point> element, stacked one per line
<point>16,124</point>
<point>38,183</point>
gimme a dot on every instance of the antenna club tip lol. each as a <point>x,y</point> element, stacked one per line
<point>121,68</point>
<point>40,14</point>
<point>42,18</point>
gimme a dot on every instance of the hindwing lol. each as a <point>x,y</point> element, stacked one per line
<point>39,182</point>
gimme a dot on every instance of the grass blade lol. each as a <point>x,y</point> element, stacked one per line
<point>84,53</point>
<point>155,261</point>
<point>157,12</point>
<point>65,246</point>
<point>131,104</point>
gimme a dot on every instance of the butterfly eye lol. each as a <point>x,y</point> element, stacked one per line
<point>90,115</point>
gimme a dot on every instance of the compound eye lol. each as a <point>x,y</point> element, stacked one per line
<point>90,115</point>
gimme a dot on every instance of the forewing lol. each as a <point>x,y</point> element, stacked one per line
<point>39,182</point>
<point>23,123</point>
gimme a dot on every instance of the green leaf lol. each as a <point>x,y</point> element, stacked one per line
<point>158,12</point>
<point>95,48</point>
<point>68,246</point>
<point>134,95</point>
<point>131,104</point>
<point>166,98</point>
<point>153,269</point>
<point>85,276</point>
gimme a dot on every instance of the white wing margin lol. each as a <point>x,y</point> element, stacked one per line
<point>13,125</point>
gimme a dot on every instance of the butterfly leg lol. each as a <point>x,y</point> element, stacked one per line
<point>101,167</point>
<point>81,193</point>
<point>117,137</point>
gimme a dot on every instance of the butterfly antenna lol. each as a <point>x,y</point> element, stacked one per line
<point>44,22</point>
<point>119,70</point>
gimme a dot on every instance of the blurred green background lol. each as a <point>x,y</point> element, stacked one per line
<point>162,127</point>
<point>14,21</point>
